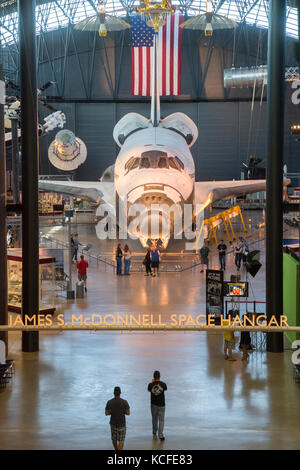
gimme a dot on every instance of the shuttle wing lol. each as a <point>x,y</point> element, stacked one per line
<point>211,191</point>
<point>94,191</point>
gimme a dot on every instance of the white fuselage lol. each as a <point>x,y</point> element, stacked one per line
<point>154,166</point>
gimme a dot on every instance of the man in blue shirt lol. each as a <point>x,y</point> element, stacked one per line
<point>155,258</point>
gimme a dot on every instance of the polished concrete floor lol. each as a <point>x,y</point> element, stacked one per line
<point>58,395</point>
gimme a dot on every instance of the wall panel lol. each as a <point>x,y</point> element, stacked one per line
<point>224,141</point>
<point>94,125</point>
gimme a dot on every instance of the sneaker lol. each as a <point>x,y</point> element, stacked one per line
<point>162,438</point>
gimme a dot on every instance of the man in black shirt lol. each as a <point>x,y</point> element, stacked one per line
<point>117,408</point>
<point>222,254</point>
<point>157,389</point>
<point>119,256</point>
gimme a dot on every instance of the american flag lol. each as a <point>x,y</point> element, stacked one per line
<point>169,53</point>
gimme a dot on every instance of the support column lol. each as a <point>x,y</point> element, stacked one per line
<point>29,139</point>
<point>297,56</point>
<point>15,159</point>
<point>70,292</point>
<point>3,243</point>
<point>275,138</point>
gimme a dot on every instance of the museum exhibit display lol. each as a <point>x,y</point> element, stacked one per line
<point>46,282</point>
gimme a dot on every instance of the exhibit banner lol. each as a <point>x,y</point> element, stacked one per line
<point>214,294</point>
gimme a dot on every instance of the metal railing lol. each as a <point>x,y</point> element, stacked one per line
<point>98,257</point>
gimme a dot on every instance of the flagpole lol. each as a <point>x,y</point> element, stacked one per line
<point>157,81</point>
<point>155,97</point>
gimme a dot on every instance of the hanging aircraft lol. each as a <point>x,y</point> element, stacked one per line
<point>154,167</point>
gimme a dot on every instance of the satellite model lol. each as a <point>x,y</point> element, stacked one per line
<point>102,22</point>
<point>12,112</point>
<point>67,151</point>
<point>209,21</point>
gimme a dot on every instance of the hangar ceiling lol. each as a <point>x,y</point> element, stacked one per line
<point>57,14</point>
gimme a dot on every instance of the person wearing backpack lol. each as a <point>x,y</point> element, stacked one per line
<point>155,258</point>
<point>147,263</point>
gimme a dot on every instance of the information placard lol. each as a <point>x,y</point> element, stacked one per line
<point>214,293</point>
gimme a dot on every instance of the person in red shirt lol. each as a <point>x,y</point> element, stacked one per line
<point>82,266</point>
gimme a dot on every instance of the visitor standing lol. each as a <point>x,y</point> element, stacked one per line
<point>117,408</point>
<point>76,244</point>
<point>245,341</point>
<point>222,254</point>
<point>155,258</point>
<point>157,389</point>
<point>238,256</point>
<point>127,260</point>
<point>245,252</point>
<point>229,342</point>
<point>119,256</point>
<point>82,266</point>
<point>147,263</point>
<point>204,257</point>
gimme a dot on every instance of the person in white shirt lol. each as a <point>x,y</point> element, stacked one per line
<point>127,260</point>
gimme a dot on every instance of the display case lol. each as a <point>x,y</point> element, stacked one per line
<point>46,282</point>
<point>52,204</point>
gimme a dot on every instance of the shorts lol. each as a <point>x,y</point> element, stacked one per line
<point>245,338</point>
<point>118,434</point>
<point>155,264</point>
<point>229,344</point>
<point>81,277</point>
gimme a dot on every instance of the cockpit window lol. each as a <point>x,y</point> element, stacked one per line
<point>162,163</point>
<point>180,163</point>
<point>174,164</point>
<point>154,159</point>
<point>129,163</point>
<point>154,156</point>
<point>134,164</point>
<point>145,163</point>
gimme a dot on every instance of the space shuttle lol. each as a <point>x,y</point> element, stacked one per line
<point>154,167</point>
